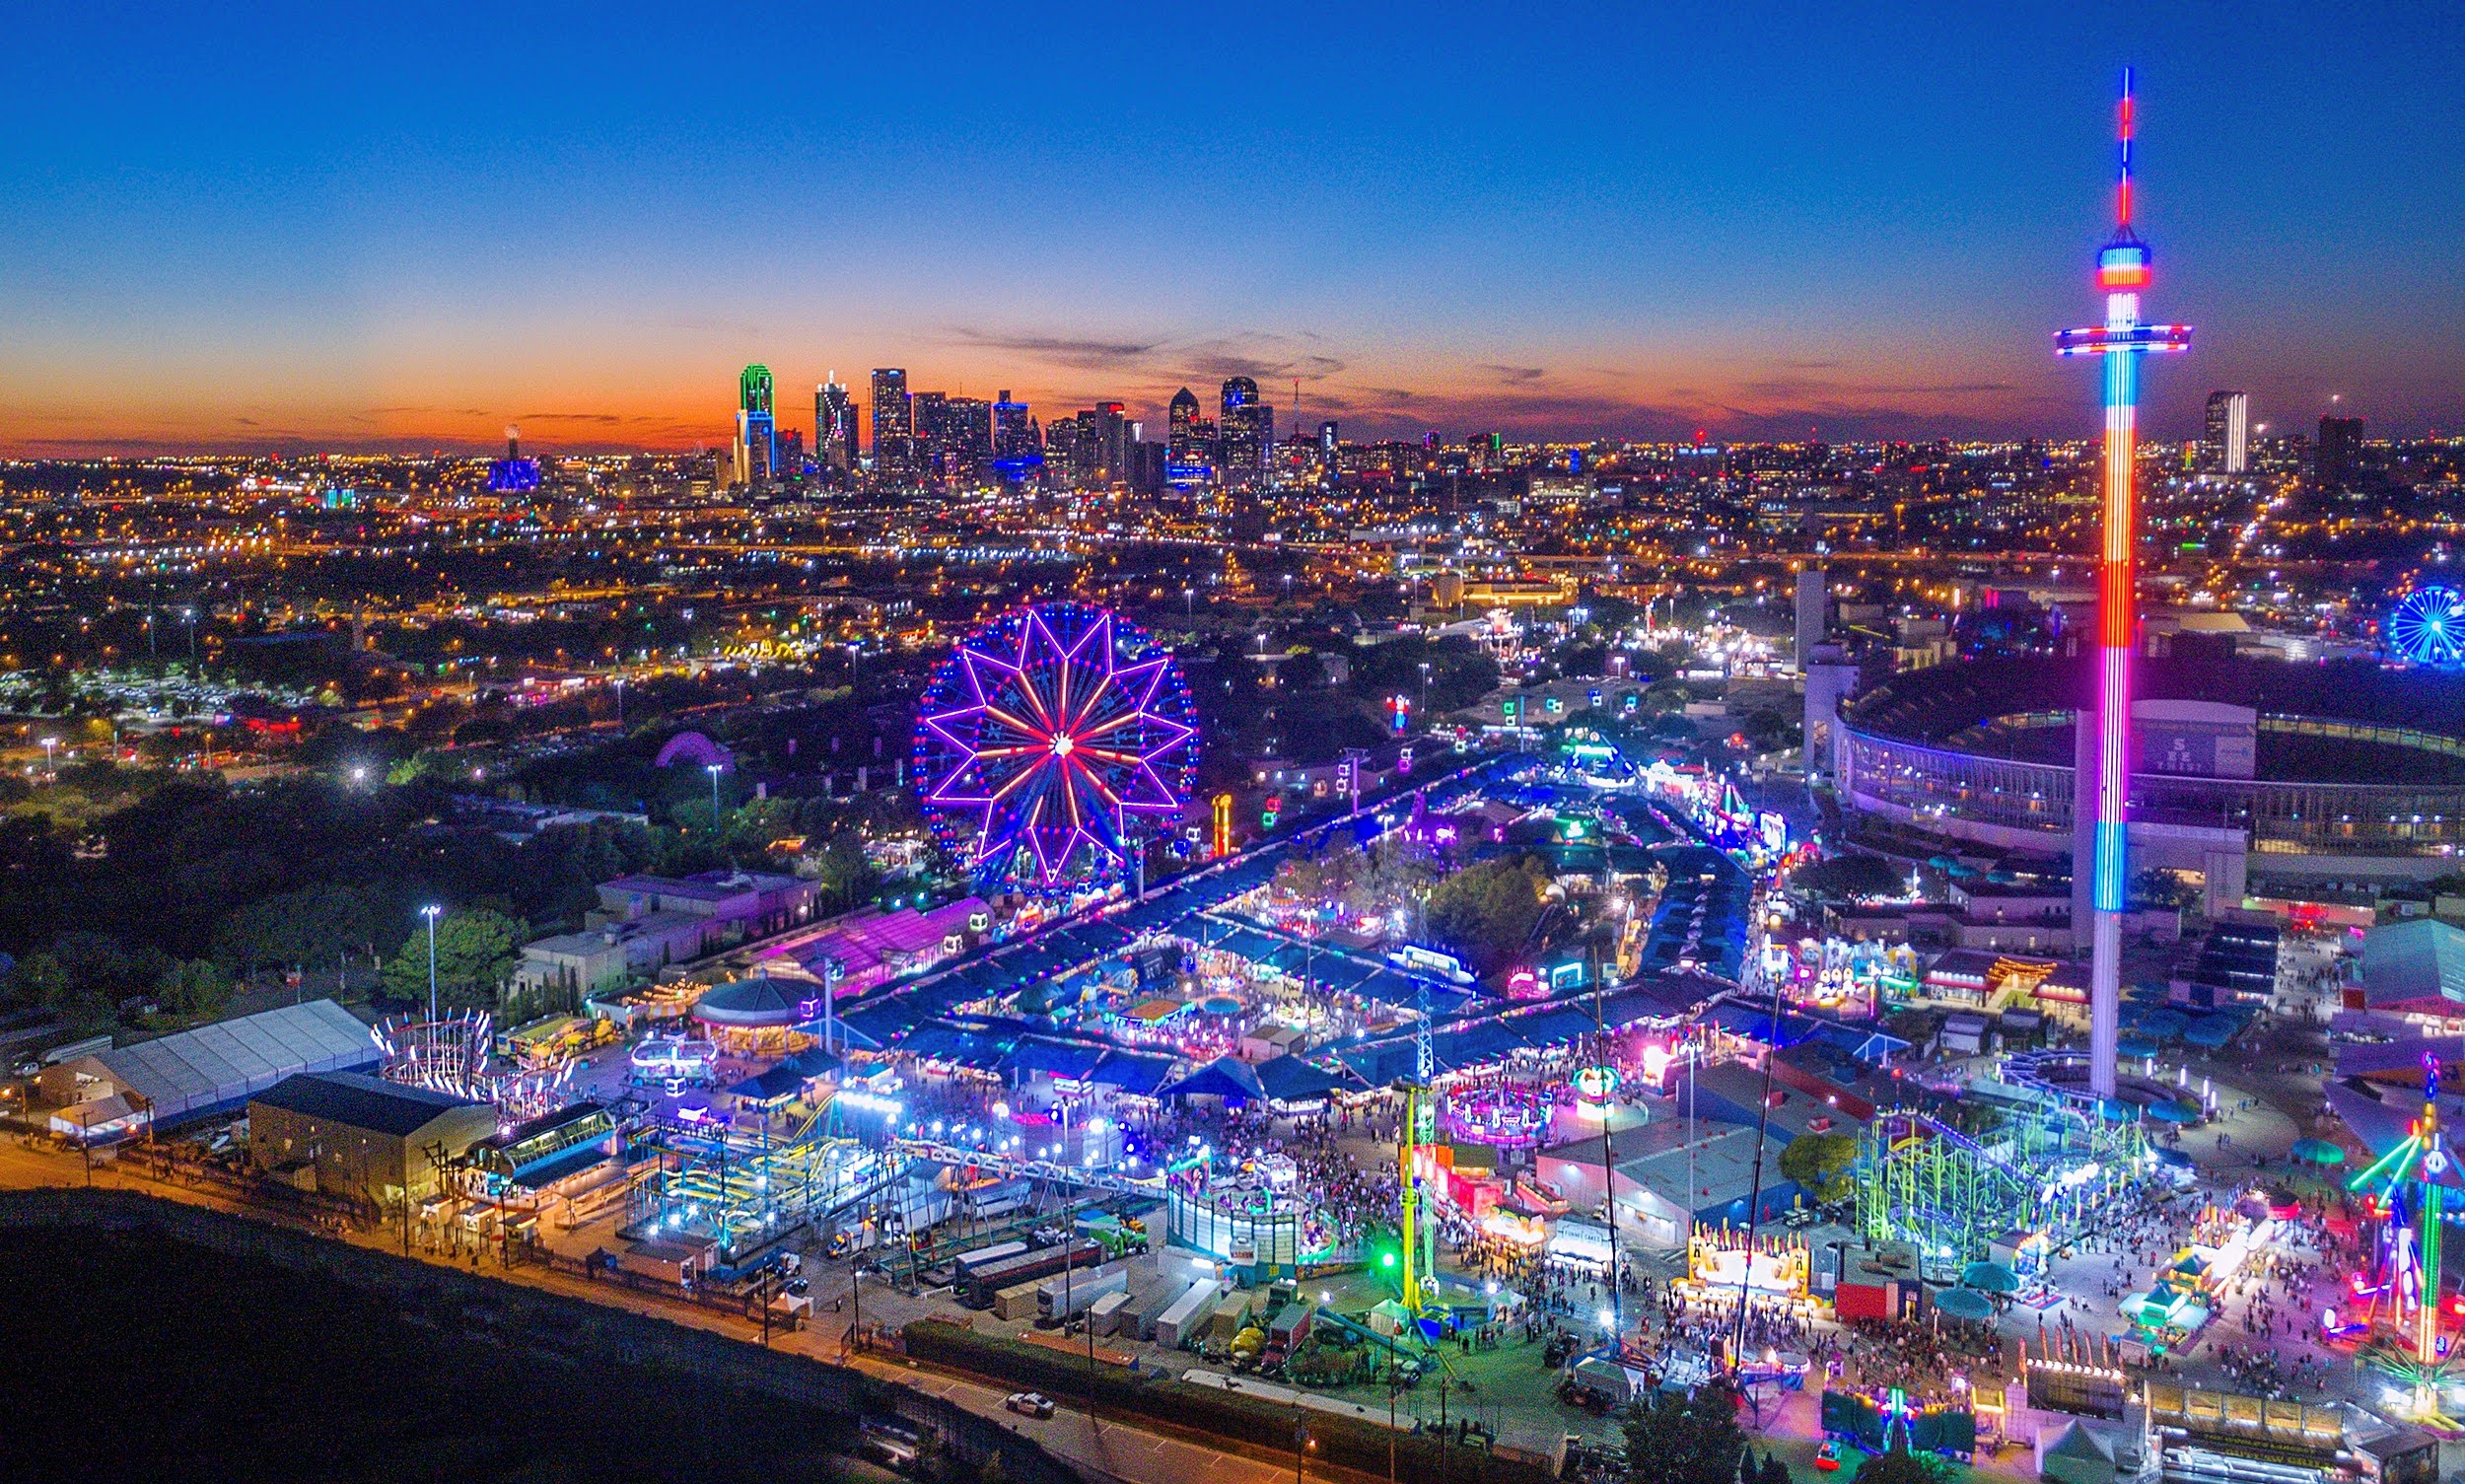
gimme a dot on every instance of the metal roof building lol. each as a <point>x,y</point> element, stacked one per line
<point>217,1068</point>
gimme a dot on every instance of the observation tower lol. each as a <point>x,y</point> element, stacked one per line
<point>2099,853</point>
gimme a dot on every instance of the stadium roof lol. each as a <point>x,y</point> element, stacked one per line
<point>220,1066</point>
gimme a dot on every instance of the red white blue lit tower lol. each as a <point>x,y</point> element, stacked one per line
<point>2122,272</point>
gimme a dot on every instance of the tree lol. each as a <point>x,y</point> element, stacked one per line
<point>476,951</point>
<point>1820,1164</point>
<point>1900,1466</point>
<point>1685,1439</point>
<point>1850,875</point>
<point>1488,911</point>
<point>193,987</point>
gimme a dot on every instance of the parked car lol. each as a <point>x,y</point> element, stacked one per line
<point>1029,1403</point>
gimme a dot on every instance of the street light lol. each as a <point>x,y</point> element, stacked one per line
<point>712,768</point>
<point>431,913</point>
<point>48,743</point>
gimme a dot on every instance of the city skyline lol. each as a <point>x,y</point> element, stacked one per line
<point>1771,232</point>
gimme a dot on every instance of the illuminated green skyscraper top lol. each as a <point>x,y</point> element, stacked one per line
<point>754,390</point>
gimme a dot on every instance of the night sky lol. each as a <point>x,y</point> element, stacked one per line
<point>321,229</point>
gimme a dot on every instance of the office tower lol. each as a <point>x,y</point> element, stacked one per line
<point>966,437</point>
<point>1243,431</point>
<point>2338,461</point>
<point>1015,450</point>
<point>1813,613</point>
<point>1148,463</point>
<point>1327,438</point>
<point>835,436</point>
<point>893,425</point>
<point>2229,441</point>
<point>757,436</point>
<point>2101,779</point>
<point>1189,457</point>
<point>925,411</point>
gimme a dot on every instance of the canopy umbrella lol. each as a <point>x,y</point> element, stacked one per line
<point>1989,1278</point>
<point>1941,862</point>
<point>2165,1024</point>
<point>2134,1045</point>
<point>2317,1152</point>
<point>2167,1110</point>
<point>1965,1303</point>
<point>2210,1031</point>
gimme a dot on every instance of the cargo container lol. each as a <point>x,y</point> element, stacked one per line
<point>1106,1315</point>
<point>1228,1319</point>
<point>1291,1325</point>
<point>977,1289</point>
<point>677,1262</point>
<point>1073,1294</point>
<point>966,1263</point>
<point>1019,1301</point>
<point>1176,1324</point>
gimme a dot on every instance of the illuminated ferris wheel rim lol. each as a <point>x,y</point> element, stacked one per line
<point>2428,626</point>
<point>1043,737</point>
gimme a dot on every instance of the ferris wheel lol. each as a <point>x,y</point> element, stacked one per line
<point>2428,627</point>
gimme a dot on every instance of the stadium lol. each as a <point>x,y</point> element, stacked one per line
<point>2258,776</point>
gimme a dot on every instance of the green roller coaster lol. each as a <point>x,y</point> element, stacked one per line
<point>2041,1170</point>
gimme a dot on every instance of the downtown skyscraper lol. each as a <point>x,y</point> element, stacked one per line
<point>835,433</point>
<point>893,425</point>
<point>2227,444</point>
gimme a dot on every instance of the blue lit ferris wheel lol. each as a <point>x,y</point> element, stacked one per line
<point>2427,627</point>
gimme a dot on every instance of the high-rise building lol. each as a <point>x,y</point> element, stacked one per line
<point>2101,747</point>
<point>966,438</point>
<point>1015,452</point>
<point>1189,456</point>
<point>834,425</point>
<point>2228,445</point>
<point>1245,432</point>
<point>1813,613</point>
<point>757,433</point>
<point>893,425</point>
<point>2337,460</point>
<point>925,412</point>
<point>1327,438</point>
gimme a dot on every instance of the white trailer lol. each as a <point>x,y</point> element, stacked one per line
<point>1188,1315</point>
<point>1105,1316</point>
<point>1064,1300</point>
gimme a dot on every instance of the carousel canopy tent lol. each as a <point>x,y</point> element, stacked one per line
<point>760,1003</point>
<point>218,1066</point>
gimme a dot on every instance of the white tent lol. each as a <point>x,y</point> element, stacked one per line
<point>221,1065</point>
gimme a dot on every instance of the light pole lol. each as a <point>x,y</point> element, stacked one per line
<point>49,767</point>
<point>431,913</point>
<point>712,770</point>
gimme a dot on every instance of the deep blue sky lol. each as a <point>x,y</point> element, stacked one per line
<point>226,230</point>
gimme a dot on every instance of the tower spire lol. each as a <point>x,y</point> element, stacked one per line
<point>2122,190</point>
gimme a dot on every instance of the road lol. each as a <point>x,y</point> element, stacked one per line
<point>1115,1450</point>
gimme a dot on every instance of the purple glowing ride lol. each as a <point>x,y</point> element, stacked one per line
<point>1047,745</point>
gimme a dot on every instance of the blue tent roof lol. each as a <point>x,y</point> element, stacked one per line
<point>1289,1078</point>
<point>1059,1058</point>
<point>1131,1072</point>
<point>1225,1076</point>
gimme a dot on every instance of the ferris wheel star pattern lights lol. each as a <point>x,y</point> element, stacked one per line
<point>2428,626</point>
<point>1045,739</point>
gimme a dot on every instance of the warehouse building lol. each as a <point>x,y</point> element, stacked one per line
<point>362,1136</point>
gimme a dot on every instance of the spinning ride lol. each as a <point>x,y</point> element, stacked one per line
<point>1047,742</point>
<point>2408,1187</point>
<point>453,1054</point>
